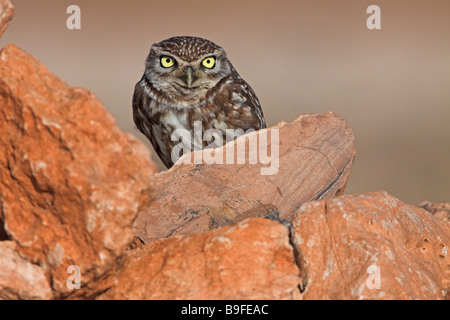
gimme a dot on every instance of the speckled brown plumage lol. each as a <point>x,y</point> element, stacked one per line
<point>170,98</point>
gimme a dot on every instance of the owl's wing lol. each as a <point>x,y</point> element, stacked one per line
<point>253,102</point>
<point>150,128</point>
<point>240,104</point>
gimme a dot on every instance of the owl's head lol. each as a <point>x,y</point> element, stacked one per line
<point>186,67</point>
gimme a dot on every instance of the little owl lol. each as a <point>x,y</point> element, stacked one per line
<point>190,79</point>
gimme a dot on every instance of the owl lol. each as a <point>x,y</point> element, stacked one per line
<point>189,81</point>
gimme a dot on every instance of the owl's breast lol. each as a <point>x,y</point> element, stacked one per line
<point>174,126</point>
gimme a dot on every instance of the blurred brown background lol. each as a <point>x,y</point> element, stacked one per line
<point>392,85</point>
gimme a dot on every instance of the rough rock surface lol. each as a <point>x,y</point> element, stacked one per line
<point>6,14</point>
<point>19,278</point>
<point>71,184</point>
<point>249,260</point>
<point>316,153</point>
<point>370,246</point>
<point>71,181</point>
<point>440,210</point>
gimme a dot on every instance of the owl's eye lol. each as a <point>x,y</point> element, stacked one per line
<point>209,62</point>
<point>167,62</point>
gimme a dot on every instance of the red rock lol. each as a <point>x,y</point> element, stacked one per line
<point>342,243</point>
<point>316,153</point>
<point>71,181</point>
<point>248,260</point>
<point>6,14</point>
<point>19,278</point>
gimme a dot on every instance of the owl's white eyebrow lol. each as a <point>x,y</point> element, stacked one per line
<point>163,53</point>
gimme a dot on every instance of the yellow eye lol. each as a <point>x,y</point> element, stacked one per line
<point>209,62</point>
<point>167,62</point>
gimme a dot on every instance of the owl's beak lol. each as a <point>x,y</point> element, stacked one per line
<point>189,76</point>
